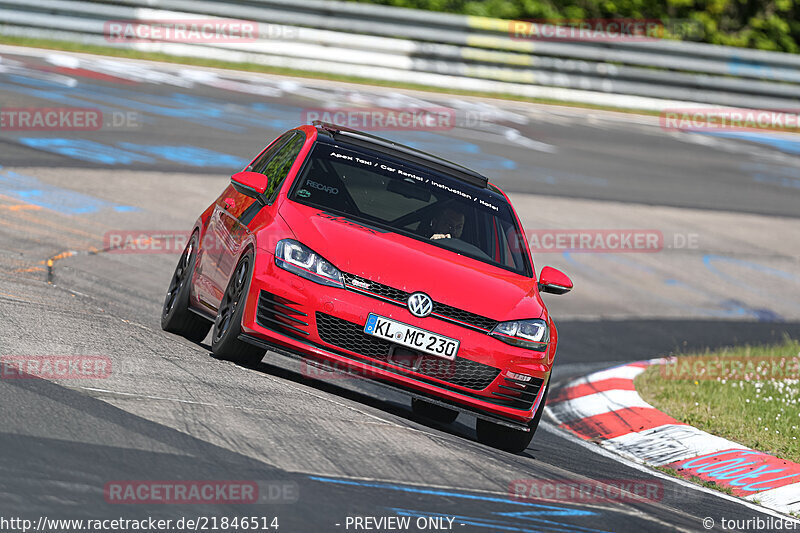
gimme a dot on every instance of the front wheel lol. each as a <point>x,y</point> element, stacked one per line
<point>175,314</point>
<point>507,438</point>
<point>225,342</point>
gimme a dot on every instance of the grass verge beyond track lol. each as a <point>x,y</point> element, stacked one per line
<point>747,394</point>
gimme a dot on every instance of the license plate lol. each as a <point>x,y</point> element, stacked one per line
<point>412,337</point>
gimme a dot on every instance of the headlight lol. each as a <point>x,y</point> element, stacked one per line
<point>532,334</point>
<point>301,260</point>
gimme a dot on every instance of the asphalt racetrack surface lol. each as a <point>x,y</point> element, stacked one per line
<point>322,447</point>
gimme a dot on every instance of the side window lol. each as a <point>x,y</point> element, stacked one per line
<point>261,162</point>
<point>277,168</point>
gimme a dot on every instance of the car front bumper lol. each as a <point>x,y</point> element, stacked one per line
<point>294,316</point>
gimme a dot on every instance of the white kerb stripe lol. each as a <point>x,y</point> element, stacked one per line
<point>622,372</point>
<point>668,443</point>
<point>786,498</point>
<point>596,404</point>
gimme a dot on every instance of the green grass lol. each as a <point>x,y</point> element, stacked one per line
<point>763,413</point>
<point>252,67</point>
<point>694,479</point>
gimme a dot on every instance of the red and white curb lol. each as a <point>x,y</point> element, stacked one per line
<point>605,408</point>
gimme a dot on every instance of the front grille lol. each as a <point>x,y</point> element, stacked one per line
<point>464,316</point>
<point>276,313</point>
<point>517,393</point>
<point>376,288</point>
<point>351,337</point>
<point>398,297</point>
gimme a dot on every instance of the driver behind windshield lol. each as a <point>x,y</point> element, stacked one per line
<point>447,224</point>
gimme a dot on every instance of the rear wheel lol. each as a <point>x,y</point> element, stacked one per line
<point>433,411</point>
<point>175,315</point>
<point>507,438</point>
<point>225,341</point>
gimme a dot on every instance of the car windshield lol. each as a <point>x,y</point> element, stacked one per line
<point>414,201</point>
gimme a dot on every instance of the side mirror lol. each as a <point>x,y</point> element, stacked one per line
<point>554,281</point>
<point>250,184</point>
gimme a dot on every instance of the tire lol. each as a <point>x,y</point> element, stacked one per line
<point>433,412</point>
<point>507,438</point>
<point>175,314</point>
<point>225,342</point>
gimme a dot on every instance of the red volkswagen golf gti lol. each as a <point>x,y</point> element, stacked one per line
<point>369,257</point>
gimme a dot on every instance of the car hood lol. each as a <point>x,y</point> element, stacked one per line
<point>411,265</point>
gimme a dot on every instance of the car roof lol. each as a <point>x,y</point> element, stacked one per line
<point>386,146</point>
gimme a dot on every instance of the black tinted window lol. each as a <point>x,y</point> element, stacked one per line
<point>260,164</point>
<point>276,162</point>
<point>415,201</point>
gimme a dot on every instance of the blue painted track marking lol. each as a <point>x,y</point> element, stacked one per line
<point>553,176</point>
<point>449,494</point>
<point>129,153</point>
<point>188,155</point>
<point>709,261</point>
<point>213,113</point>
<point>781,176</point>
<point>725,308</point>
<point>781,181</point>
<point>33,191</point>
<point>528,522</point>
<point>729,307</point>
<point>85,150</point>
<point>783,142</point>
<point>220,114</point>
<point>527,518</point>
<point>569,257</point>
<point>57,96</point>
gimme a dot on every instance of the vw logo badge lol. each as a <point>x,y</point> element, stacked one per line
<point>420,304</point>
